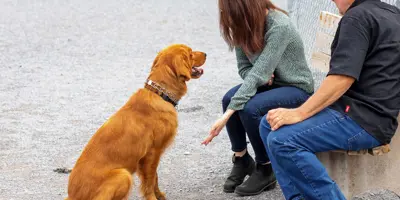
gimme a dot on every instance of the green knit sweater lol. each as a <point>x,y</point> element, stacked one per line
<point>283,56</point>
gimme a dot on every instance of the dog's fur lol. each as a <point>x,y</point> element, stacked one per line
<point>136,136</point>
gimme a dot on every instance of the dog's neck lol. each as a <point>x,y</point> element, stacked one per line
<point>161,91</point>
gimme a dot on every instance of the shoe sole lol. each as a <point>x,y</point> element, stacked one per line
<point>267,187</point>
<point>229,191</point>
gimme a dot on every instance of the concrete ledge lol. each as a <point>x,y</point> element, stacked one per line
<point>358,174</point>
<point>376,151</point>
<point>355,174</point>
<point>377,195</point>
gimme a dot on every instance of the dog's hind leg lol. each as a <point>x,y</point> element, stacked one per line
<point>116,186</point>
<point>160,195</point>
<point>147,171</point>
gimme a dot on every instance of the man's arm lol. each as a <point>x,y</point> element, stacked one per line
<point>331,89</point>
<point>346,65</point>
<point>345,68</point>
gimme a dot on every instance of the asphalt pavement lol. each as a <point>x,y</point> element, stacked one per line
<point>66,66</point>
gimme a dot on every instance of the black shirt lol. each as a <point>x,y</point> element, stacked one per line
<point>367,47</point>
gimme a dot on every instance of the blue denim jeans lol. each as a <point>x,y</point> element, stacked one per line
<point>248,119</point>
<point>292,149</point>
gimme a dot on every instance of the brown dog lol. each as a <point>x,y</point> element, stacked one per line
<point>136,136</point>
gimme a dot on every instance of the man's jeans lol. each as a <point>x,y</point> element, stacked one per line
<point>248,119</point>
<point>292,149</point>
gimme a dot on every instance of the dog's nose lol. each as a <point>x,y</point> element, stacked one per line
<point>205,54</point>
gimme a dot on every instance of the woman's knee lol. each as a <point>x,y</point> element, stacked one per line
<point>226,100</point>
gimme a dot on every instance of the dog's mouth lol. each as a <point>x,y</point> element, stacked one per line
<point>197,72</point>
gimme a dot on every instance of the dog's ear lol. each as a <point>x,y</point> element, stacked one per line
<point>182,67</point>
<point>156,60</point>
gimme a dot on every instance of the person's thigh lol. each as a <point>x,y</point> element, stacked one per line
<point>280,97</point>
<point>328,130</point>
<point>293,147</point>
<point>261,103</point>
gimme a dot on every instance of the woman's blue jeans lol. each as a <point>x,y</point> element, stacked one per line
<point>248,119</point>
<point>292,149</point>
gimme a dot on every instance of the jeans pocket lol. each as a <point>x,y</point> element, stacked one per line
<point>362,140</point>
<point>336,114</point>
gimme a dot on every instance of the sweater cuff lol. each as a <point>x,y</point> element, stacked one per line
<point>235,106</point>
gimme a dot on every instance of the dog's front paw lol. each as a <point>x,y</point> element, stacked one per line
<point>151,198</point>
<point>161,196</point>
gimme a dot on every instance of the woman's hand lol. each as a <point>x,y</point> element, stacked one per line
<point>215,130</point>
<point>218,126</point>
<point>282,116</point>
<point>271,81</point>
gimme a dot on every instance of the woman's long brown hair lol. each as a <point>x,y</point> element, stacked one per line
<point>242,23</point>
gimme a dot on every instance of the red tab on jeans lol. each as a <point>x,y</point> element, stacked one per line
<point>347,108</point>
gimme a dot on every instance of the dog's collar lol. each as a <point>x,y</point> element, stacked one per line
<point>156,88</point>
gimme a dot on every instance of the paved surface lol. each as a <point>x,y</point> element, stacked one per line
<point>66,66</point>
<point>381,194</point>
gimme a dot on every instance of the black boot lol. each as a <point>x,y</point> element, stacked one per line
<point>263,178</point>
<point>242,166</point>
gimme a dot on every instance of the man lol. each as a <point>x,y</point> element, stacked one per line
<point>356,106</point>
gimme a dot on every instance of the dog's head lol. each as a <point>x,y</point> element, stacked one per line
<point>181,61</point>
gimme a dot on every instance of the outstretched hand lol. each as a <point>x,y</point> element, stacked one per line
<point>215,130</point>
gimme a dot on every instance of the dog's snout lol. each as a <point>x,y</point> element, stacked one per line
<point>205,54</point>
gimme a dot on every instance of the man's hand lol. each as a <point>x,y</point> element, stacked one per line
<point>331,89</point>
<point>281,116</point>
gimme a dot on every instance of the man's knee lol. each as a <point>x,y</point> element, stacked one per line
<point>264,127</point>
<point>278,142</point>
<point>274,145</point>
<point>265,131</point>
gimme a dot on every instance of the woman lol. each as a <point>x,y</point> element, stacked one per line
<point>266,45</point>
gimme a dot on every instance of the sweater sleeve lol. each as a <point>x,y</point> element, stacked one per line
<point>277,39</point>
<point>243,63</point>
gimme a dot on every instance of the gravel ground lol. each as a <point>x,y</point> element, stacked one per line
<point>66,66</point>
<point>380,194</point>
